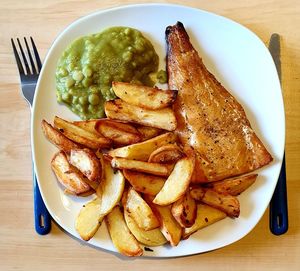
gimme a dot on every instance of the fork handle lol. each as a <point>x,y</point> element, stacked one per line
<point>278,205</point>
<point>42,218</point>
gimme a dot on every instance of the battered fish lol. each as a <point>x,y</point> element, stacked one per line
<point>210,119</point>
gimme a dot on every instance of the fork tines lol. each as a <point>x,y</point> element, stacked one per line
<point>22,62</point>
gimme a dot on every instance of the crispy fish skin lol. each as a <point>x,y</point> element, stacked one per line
<point>209,118</point>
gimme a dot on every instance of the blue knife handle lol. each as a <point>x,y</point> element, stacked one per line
<point>42,218</point>
<point>278,205</point>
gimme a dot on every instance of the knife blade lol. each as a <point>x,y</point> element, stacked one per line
<point>278,206</point>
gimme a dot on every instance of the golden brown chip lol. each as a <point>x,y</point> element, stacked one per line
<point>151,168</point>
<point>233,186</point>
<point>206,216</point>
<point>141,151</point>
<point>87,162</point>
<point>110,189</point>
<point>68,176</point>
<point>120,133</point>
<point>161,118</point>
<point>144,183</point>
<point>168,225</point>
<point>122,238</point>
<point>88,125</point>
<point>184,210</point>
<point>149,238</point>
<point>169,153</point>
<point>81,136</point>
<point>143,96</point>
<point>147,132</point>
<point>140,211</point>
<point>57,138</point>
<point>177,183</point>
<point>89,219</point>
<point>224,202</point>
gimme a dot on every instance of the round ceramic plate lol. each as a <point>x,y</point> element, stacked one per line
<point>239,60</point>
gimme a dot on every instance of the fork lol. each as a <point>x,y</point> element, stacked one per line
<point>29,73</point>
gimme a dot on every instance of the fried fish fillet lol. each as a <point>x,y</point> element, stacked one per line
<point>209,118</point>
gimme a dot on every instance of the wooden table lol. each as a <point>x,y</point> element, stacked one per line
<point>22,249</point>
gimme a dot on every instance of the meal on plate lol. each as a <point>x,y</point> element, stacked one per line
<point>163,164</point>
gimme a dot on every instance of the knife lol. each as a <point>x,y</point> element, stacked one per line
<point>278,204</point>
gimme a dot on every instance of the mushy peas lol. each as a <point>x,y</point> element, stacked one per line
<point>89,65</point>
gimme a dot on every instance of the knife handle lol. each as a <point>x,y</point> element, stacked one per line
<point>42,218</point>
<point>278,205</point>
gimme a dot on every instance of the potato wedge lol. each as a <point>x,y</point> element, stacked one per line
<point>206,215</point>
<point>177,183</point>
<point>88,125</point>
<point>89,219</point>
<point>143,96</point>
<point>110,189</point>
<point>122,238</point>
<point>93,185</point>
<point>168,225</point>
<point>184,210</point>
<point>100,156</point>
<point>57,138</point>
<point>69,176</point>
<point>124,196</point>
<point>141,151</point>
<point>103,124</point>
<point>140,211</point>
<point>233,186</point>
<point>144,183</point>
<point>109,193</point>
<point>160,118</point>
<point>166,154</point>
<point>149,238</point>
<point>224,202</point>
<point>141,166</point>
<point>147,132</point>
<point>87,162</point>
<point>120,133</point>
<point>80,135</point>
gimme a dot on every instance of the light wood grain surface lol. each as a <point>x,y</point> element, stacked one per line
<point>22,249</point>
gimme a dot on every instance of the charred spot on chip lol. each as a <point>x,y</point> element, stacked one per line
<point>184,213</point>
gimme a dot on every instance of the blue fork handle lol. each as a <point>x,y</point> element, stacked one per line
<point>42,218</point>
<point>278,205</point>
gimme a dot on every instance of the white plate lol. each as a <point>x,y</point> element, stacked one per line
<point>239,60</point>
